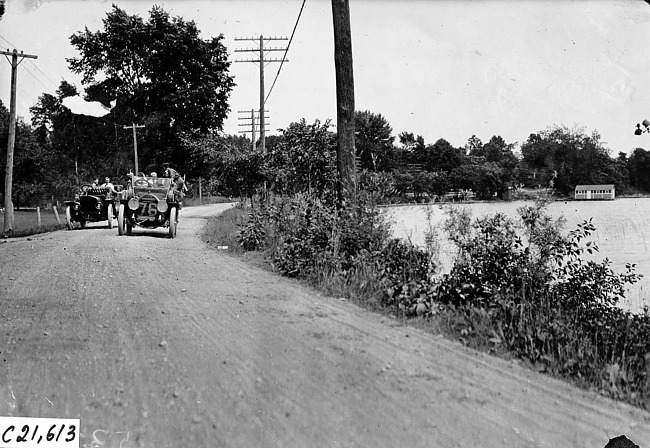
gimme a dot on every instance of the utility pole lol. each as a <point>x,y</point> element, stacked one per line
<point>135,143</point>
<point>345,101</point>
<point>9,206</point>
<point>253,123</point>
<point>262,60</point>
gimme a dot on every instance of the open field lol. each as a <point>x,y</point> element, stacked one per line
<point>622,233</point>
<point>26,219</point>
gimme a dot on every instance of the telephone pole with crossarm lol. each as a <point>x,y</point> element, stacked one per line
<point>9,206</point>
<point>135,143</point>
<point>261,60</point>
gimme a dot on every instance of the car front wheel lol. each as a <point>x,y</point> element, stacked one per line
<point>120,220</point>
<point>68,217</point>
<point>172,222</point>
<point>110,212</point>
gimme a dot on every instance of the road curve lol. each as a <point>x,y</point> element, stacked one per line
<point>154,342</point>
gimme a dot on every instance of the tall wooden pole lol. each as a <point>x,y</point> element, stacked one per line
<point>8,204</point>
<point>262,60</point>
<point>135,143</point>
<point>346,187</point>
<point>262,124</point>
<point>253,128</point>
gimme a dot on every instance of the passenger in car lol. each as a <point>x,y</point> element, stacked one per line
<point>179,183</point>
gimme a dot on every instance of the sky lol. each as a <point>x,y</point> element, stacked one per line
<point>440,69</point>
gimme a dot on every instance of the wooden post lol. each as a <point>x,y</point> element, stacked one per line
<point>56,214</point>
<point>200,196</point>
<point>38,215</point>
<point>346,186</point>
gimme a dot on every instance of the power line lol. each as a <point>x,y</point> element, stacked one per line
<point>34,65</point>
<point>286,51</point>
<point>41,82</point>
<point>42,72</point>
<point>10,44</point>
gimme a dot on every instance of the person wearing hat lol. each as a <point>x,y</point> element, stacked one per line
<point>178,181</point>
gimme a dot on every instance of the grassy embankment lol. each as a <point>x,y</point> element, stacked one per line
<point>492,300</point>
<point>26,222</point>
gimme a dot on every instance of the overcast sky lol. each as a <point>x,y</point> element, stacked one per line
<point>442,69</point>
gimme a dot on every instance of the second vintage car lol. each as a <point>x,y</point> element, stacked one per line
<point>149,202</point>
<point>92,204</point>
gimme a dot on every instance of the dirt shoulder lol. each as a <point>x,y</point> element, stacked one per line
<point>172,344</point>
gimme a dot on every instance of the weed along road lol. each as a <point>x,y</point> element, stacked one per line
<point>154,342</point>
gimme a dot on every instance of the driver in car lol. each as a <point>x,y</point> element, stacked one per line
<point>107,184</point>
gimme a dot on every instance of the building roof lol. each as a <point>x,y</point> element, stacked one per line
<point>595,187</point>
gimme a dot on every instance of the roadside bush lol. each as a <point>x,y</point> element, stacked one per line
<point>406,273</point>
<point>526,289</point>
<point>348,250</point>
<point>315,233</point>
<point>252,234</point>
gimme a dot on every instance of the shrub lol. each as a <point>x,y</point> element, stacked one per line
<point>543,302</point>
<point>252,234</point>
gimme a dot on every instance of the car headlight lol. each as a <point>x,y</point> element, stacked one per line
<point>162,206</point>
<point>98,206</point>
<point>133,203</point>
<point>76,206</point>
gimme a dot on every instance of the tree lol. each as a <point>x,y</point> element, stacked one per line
<point>441,156</point>
<point>638,166</point>
<point>373,141</point>
<point>304,160</point>
<point>81,147</point>
<point>569,157</point>
<point>412,147</point>
<point>29,163</point>
<point>161,73</point>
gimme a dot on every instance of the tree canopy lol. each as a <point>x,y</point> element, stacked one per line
<point>373,142</point>
<point>569,157</point>
<point>159,70</point>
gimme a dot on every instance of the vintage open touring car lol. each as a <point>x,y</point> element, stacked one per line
<point>149,202</point>
<point>92,204</point>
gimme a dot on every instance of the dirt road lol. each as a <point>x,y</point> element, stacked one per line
<point>154,342</point>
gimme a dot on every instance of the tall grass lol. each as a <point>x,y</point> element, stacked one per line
<point>26,222</point>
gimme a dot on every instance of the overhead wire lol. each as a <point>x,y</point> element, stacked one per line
<point>285,51</point>
<point>36,67</point>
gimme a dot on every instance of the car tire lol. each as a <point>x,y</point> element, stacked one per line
<point>172,222</point>
<point>120,220</point>
<point>110,212</point>
<point>68,217</point>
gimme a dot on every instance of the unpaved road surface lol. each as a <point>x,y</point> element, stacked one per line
<point>154,342</point>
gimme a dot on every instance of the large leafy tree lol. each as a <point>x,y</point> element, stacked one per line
<point>80,147</point>
<point>162,73</point>
<point>411,147</point>
<point>569,157</point>
<point>29,163</point>
<point>638,165</point>
<point>441,156</point>
<point>373,141</point>
<point>304,159</point>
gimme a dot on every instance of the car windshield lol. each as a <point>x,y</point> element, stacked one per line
<point>149,182</point>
